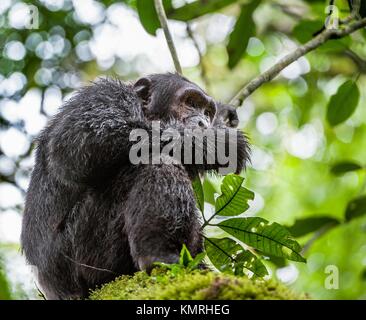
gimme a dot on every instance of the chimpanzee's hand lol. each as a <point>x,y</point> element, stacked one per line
<point>226,115</point>
<point>147,263</point>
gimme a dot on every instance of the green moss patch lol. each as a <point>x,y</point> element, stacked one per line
<point>193,285</point>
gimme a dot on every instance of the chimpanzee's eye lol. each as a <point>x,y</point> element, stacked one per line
<point>190,102</point>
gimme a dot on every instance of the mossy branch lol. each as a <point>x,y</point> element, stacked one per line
<point>192,285</point>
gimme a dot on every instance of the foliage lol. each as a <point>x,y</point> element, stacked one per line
<point>243,30</point>
<point>4,286</point>
<point>191,285</point>
<point>343,167</point>
<point>305,226</point>
<point>185,261</point>
<point>228,255</point>
<point>343,103</point>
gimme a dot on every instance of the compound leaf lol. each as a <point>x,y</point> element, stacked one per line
<point>269,238</point>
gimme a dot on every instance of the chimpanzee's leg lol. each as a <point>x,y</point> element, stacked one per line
<point>161,215</point>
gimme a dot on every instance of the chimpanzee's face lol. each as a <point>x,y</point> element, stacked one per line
<point>168,97</point>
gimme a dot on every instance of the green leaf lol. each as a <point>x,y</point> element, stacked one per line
<point>148,16</point>
<point>185,261</point>
<point>227,255</point>
<point>243,30</point>
<point>278,262</point>
<point>4,285</point>
<point>234,198</point>
<point>336,45</point>
<point>304,30</point>
<point>185,256</point>
<point>197,9</point>
<point>247,260</point>
<point>209,191</point>
<point>344,167</point>
<point>363,275</point>
<point>196,261</point>
<point>174,268</point>
<point>270,238</point>
<point>220,252</point>
<point>356,208</point>
<point>342,105</point>
<point>198,192</point>
<point>304,226</point>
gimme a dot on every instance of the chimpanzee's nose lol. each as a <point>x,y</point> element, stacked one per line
<point>202,124</point>
<point>197,121</point>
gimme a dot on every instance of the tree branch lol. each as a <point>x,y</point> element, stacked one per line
<point>168,36</point>
<point>293,11</point>
<point>357,60</point>
<point>316,236</point>
<point>313,44</point>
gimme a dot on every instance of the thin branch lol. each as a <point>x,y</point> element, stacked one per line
<point>316,236</point>
<point>207,222</point>
<point>168,36</point>
<point>42,111</point>
<point>327,20</point>
<point>357,60</point>
<point>289,10</point>
<point>201,62</point>
<point>6,179</point>
<point>293,56</point>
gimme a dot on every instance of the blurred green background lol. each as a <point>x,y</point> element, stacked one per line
<point>222,44</point>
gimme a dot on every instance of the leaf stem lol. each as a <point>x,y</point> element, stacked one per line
<point>207,222</point>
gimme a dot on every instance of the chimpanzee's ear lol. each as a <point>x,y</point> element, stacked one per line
<point>142,88</point>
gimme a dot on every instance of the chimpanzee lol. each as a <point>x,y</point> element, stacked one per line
<point>90,214</point>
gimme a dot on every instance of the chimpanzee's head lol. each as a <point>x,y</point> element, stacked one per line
<point>168,97</point>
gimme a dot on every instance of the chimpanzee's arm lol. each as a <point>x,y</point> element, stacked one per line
<point>89,138</point>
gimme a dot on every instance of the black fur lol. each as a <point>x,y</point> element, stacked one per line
<point>91,215</point>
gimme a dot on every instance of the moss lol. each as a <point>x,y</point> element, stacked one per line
<point>193,285</point>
